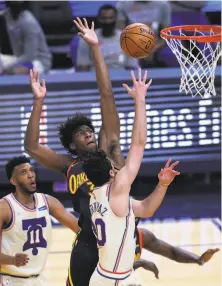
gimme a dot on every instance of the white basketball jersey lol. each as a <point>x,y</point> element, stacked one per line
<point>30,233</point>
<point>115,236</point>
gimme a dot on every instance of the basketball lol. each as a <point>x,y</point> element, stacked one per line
<point>137,40</point>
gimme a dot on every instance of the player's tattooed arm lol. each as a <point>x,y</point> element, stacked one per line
<point>58,211</point>
<point>110,117</point>
<point>42,154</point>
<point>155,245</point>
<point>147,265</point>
<point>17,259</point>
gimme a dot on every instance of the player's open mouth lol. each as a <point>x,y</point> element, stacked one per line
<point>33,184</point>
<point>91,142</point>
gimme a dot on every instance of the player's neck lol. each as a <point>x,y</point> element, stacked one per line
<point>24,198</point>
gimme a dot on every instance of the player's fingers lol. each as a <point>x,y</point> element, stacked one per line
<point>168,163</point>
<point>92,27</point>
<point>43,83</point>
<point>34,75</point>
<point>31,76</point>
<point>37,77</point>
<point>174,165</point>
<point>133,76</point>
<point>126,87</point>
<point>139,74</point>
<point>79,24</point>
<point>176,173</point>
<point>145,77</point>
<point>85,23</point>
<point>149,83</point>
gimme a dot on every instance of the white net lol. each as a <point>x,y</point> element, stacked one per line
<point>198,62</point>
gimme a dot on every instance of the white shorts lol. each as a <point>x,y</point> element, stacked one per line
<point>9,59</point>
<point>98,280</point>
<point>12,281</point>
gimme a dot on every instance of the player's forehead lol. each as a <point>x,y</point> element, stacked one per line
<point>23,166</point>
<point>83,128</point>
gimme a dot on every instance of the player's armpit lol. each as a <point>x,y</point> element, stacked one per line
<point>58,211</point>
<point>113,150</point>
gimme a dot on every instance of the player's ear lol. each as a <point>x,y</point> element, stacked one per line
<point>112,173</point>
<point>72,146</point>
<point>13,181</point>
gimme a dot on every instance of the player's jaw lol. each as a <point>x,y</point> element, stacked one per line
<point>29,187</point>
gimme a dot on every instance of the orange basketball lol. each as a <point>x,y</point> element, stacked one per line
<point>137,40</point>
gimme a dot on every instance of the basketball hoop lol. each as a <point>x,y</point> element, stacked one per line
<point>198,61</point>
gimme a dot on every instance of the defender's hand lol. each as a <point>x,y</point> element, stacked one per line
<point>167,175</point>
<point>139,87</point>
<point>206,256</point>
<point>38,89</point>
<point>88,34</point>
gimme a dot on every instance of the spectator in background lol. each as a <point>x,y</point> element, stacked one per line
<point>27,40</point>
<point>109,42</point>
<point>155,14</point>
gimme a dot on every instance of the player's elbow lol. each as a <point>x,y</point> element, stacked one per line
<point>29,149</point>
<point>143,211</point>
<point>147,213</point>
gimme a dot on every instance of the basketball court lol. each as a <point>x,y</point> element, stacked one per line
<point>193,235</point>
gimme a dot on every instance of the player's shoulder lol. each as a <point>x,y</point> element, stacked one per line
<point>4,205</point>
<point>73,163</point>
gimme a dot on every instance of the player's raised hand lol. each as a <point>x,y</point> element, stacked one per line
<point>21,259</point>
<point>167,175</point>
<point>206,256</point>
<point>88,34</point>
<point>38,89</point>
<point>139,89</point>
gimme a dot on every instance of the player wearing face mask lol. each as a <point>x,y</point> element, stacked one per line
<point>108,36</point>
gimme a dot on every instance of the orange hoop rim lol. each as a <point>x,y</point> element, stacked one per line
<point>191,28</point>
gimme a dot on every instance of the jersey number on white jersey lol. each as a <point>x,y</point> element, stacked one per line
<point>35,237</point>
<point>99,229</point>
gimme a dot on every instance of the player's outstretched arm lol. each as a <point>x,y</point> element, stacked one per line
<point>42,154</point>
<point>147,207</point>
<point>120,188</point>
<point>58,211</point>
<point>110,117</point>
<point>158,246</point>
<point>17,259</point>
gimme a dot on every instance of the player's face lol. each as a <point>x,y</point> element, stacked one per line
<point>84,139</point>
<point>24,177</point>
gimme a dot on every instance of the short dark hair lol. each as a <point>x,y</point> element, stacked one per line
<point>97,167</point>
<point>71,125</point>
<point>12,163</point>
<point>107,7</point>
